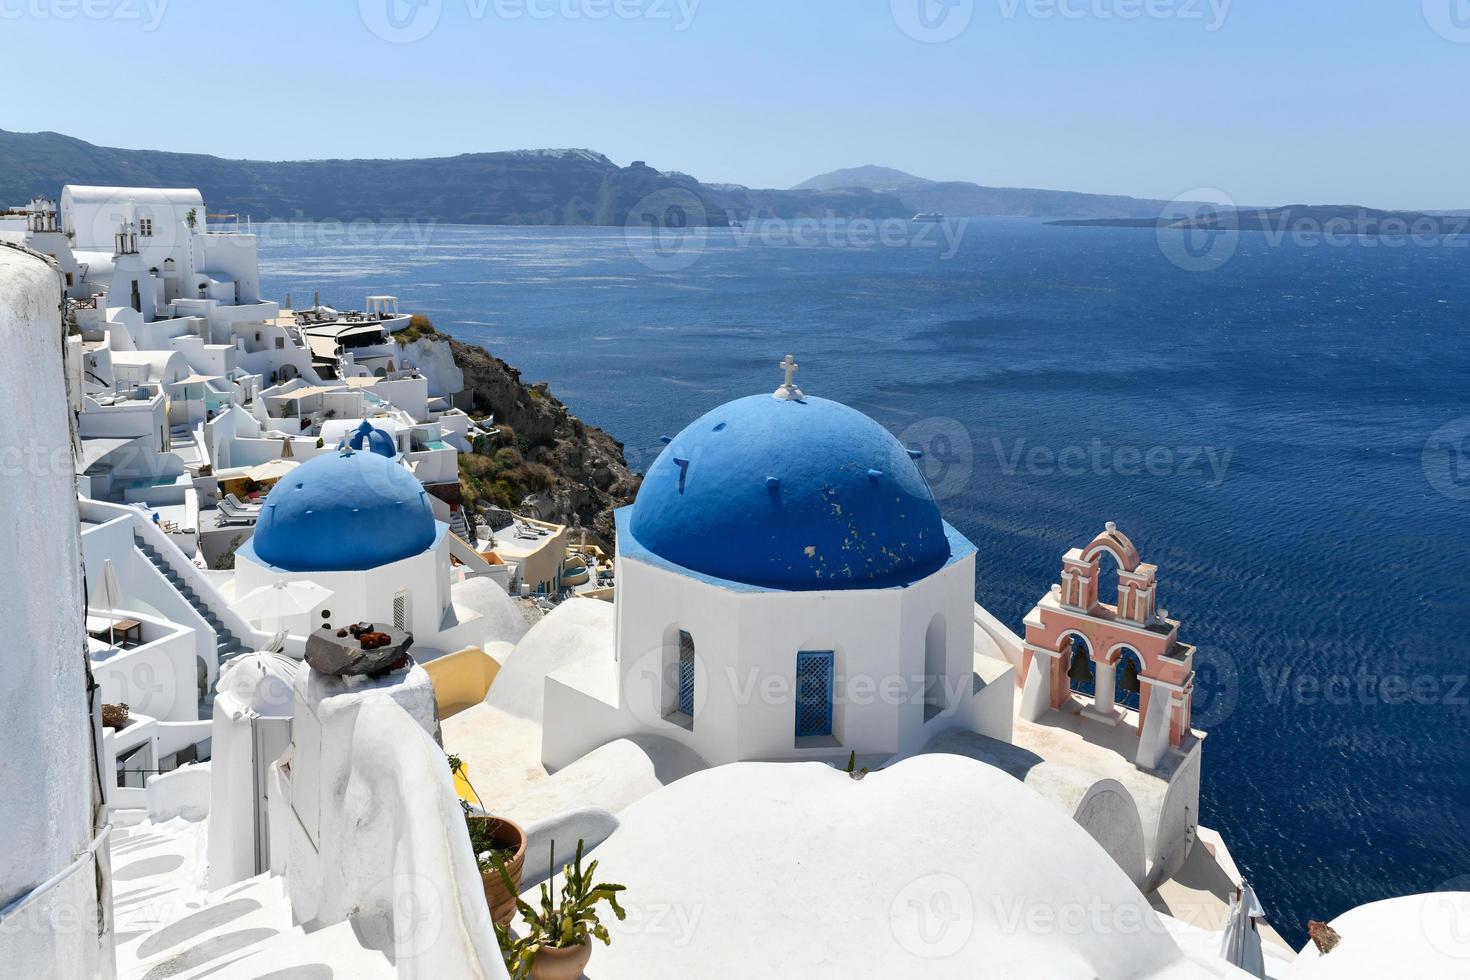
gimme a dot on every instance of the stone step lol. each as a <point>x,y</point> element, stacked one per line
<point>301,955</point>
<point>194,939</point>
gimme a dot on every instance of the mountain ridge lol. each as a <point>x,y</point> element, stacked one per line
<point>508,187</point>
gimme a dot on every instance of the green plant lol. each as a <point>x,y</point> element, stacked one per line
<point>418,326</point>
<point>486,851</point>
<point>192,217</point>
<point>226,561</point>
<point>561,926</point>
<point>851,768</point>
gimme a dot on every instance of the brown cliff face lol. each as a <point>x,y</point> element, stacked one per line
<point>550,460</point>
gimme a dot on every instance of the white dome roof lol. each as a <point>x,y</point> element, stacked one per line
<point>939,866</point>
<point>1414,936</point>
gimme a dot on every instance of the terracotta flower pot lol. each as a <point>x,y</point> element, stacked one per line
<point>561,964</point>
<point>506,834</point>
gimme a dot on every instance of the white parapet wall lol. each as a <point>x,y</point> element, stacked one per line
<point>375,829</point>
<point>49,884</point>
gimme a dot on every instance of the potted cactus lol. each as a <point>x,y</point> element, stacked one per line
<point>498,844</point>
<point>558,939</point>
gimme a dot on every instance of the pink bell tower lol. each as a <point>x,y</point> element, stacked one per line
<point>1161,671</point>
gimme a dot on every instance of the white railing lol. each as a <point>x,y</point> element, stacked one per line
<point>83,860</point>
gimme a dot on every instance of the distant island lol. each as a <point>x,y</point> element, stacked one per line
<point>959,198</point>
<point>1298,219</point>
<point>513,187</point>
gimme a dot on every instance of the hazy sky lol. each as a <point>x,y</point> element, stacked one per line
<point>1271,101</point>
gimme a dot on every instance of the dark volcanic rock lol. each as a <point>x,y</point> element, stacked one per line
<point>347,656</point>
<point>591,475</point>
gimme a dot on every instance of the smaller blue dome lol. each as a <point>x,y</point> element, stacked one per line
<point>346,511</point>
<point>373,440</point>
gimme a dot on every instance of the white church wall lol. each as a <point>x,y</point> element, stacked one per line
<point>368,596</point>
<point>1168,845</point>
<point>746,646</point>
<point>943,603</point>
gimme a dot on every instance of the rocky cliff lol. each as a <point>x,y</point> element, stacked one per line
<point>547,460</point>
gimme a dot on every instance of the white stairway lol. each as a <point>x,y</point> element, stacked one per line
<point>165,927</point>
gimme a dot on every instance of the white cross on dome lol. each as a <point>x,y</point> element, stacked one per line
<point>788,392</point>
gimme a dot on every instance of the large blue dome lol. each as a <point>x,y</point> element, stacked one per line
<point>792,495</point>
<point>344,512</point>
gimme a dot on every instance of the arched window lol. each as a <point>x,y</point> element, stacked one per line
<point>1079,667</point>
<point>1126,689</point>
<point>1108,567</point>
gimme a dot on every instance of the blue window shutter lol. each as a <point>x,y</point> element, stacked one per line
<point>686,673</point>
<point>813,693</point>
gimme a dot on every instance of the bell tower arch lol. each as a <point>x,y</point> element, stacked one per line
<point>1116,662</point>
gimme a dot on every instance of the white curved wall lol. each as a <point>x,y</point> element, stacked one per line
<point>1110,816</point>
<point>1178,819</point>
<point>45,738</point>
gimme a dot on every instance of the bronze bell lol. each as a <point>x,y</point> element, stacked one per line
<point>1081,669</point>
<point>1129,681</point>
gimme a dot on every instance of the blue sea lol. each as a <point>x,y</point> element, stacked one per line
<point>1286,435</point>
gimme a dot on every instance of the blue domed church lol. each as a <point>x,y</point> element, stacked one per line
<point>787,589</point>
<point>359,523</point>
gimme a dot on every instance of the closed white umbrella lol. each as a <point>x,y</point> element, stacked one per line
<point>112,593</point>
<point>281,599</point>
<point>1241,942</point>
